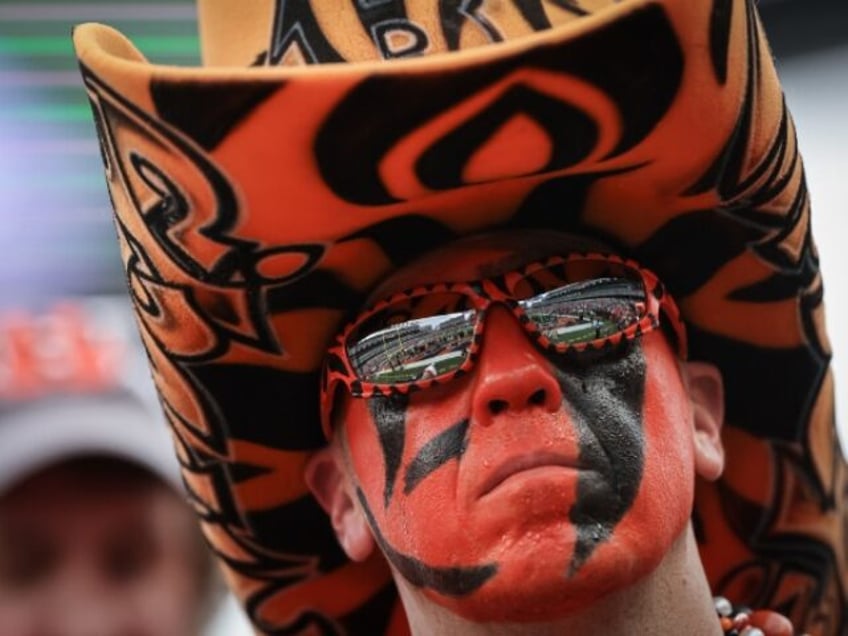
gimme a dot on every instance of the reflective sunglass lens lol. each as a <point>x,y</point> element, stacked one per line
<point>580,312</point>
<point>395,346</point>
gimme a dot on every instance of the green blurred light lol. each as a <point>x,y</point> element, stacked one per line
<point>44,113</point>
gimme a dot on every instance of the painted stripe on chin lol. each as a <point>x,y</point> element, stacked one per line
<point>449,581</point>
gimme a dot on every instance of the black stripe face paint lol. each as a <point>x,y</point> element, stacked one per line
<point>389,415</point>
<point>444,447</point>
<point>605,400</point>
<point>450,581</point>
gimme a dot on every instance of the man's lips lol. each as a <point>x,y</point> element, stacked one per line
<point>522,463</point>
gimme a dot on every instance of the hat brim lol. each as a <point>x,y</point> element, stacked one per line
<point>256,207</point>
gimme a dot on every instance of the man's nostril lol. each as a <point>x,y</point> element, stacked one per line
<point>498,406</point>
<point>538,398</point>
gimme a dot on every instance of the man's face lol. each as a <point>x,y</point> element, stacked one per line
<point>100,556</point>
<point>533,485</point>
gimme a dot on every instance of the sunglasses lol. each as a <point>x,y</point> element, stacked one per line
<point>433,333</point>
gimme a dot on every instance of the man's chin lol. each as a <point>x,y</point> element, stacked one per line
<point>534,584</point>
<point>528,601</point>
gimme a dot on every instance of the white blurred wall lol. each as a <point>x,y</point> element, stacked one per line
<point>229,620</point>
<point>816,87</point>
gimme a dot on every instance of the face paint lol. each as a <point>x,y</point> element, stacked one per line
<point>528,512</point>
<point>444,447</point>
<point>451,581</point>
<point>605,399</point>
<point>389,414</point>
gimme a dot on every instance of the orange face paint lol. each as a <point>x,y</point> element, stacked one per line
<point>534,485</point>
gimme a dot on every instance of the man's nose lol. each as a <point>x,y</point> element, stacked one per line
<point>511,375</point>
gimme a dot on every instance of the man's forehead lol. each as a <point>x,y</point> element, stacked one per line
<point>485,256</point>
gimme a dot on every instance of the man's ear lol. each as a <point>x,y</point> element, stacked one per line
<point>326,480</point>
<point>706,393</point>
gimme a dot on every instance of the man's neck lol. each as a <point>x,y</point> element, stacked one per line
<point>674,599</point>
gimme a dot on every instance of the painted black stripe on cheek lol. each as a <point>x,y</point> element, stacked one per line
<point>389,414</point>
<point>447,445</point>
<point>605,398</point>
<point>450,581</point>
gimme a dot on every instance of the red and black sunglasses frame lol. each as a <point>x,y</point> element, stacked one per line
<point>482,294</point>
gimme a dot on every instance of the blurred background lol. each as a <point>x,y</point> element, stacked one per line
<point>56,237</point>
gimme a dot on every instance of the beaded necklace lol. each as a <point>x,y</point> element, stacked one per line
<point>742,621</point>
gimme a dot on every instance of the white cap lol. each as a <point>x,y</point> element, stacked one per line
<point>36,435</point>
<point>73,383</point>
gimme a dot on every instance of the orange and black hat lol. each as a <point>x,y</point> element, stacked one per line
<point>324,144</point>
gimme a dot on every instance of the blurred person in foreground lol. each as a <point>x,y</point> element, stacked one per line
<point>95,539</point>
